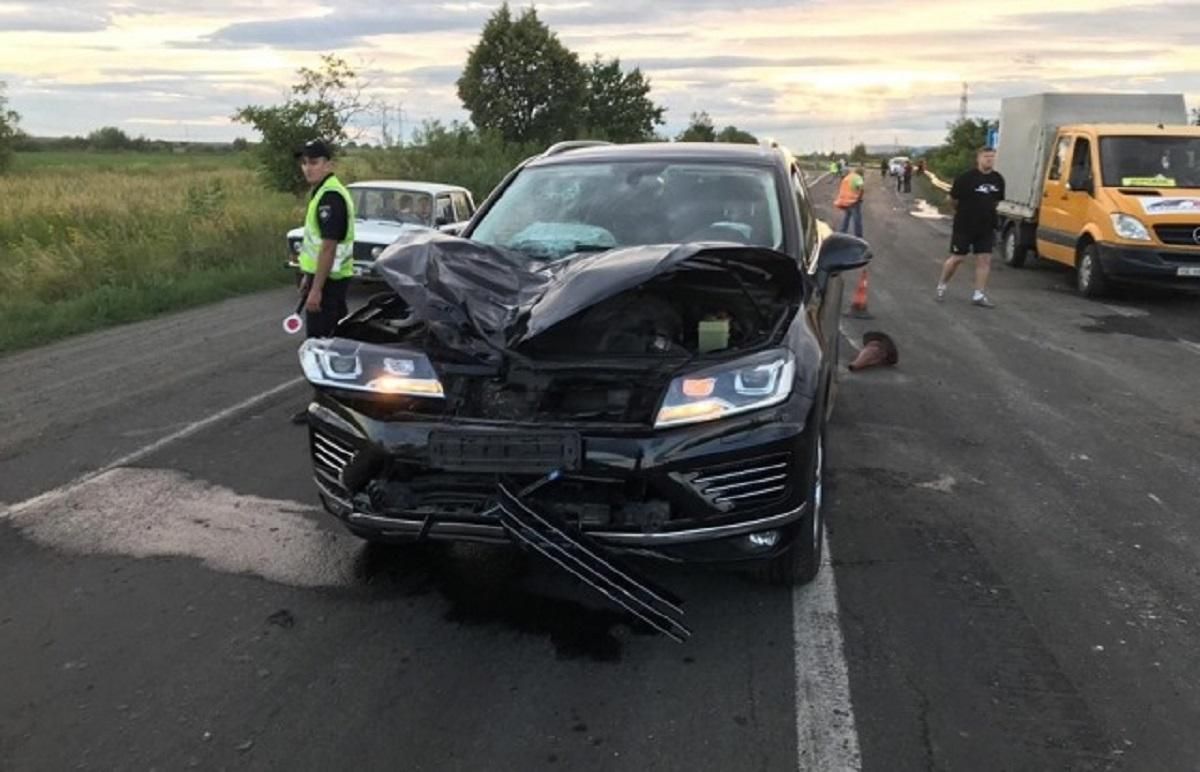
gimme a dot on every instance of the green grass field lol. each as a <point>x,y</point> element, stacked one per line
<point>93,239</point>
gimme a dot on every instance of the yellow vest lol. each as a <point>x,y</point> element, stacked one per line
<point>343,263</point>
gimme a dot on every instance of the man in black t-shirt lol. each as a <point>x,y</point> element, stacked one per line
<point>975,194</point>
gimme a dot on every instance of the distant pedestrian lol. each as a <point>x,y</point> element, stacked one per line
<point>974,195</point>
<point>907,176</point>
<point>849,200</point>
<point>326,254</point>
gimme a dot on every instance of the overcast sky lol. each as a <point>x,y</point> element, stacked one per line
<point>815,74</point>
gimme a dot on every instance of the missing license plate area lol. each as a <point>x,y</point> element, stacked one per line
<point>522,452</point>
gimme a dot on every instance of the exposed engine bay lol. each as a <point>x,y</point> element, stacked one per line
<point>594,337</point>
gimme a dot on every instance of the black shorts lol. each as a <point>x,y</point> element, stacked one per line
<point>968,242</point>
<point>333,308</point>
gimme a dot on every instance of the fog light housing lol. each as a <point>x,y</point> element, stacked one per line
<point>763,539</point>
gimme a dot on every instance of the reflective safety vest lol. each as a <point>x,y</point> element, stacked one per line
<point>848,195</point>
<point>343,263</point>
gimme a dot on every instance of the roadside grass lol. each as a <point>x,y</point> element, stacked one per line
<point>93,239</point>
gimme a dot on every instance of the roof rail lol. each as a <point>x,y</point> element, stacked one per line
<point>573,144</point>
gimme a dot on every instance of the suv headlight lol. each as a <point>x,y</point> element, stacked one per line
<point>1129,227</point>
<point>751,383</point>
<point>350,364</point>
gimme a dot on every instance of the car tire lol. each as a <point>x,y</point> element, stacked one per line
<point>1011,248</point>
<point>801,562</point>
<point>1090,280</point>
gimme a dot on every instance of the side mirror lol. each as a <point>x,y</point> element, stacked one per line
<point>452,228</point>
<point>842,252</point>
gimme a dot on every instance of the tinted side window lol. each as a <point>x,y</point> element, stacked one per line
<point>445,210</point>
<point>808,226</point>
<point>1081,160</point>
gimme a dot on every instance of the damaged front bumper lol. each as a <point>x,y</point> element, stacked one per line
<point>729,490</point>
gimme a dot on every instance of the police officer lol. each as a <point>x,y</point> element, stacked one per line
<point>328,248</point>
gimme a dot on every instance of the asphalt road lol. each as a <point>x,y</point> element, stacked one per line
<point>1014,546</point>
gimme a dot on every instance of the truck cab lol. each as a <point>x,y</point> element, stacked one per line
<point>1122,202</point>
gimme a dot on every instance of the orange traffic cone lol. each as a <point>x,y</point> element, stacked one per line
<point>878,349</point>
<point>858,306</point>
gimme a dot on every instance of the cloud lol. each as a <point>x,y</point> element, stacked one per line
<point>809,73</point>
<point>340,28</point>
<point>728,62</point>
<point>51,18</point>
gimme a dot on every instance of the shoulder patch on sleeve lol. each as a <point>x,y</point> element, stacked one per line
<point>324,212</point>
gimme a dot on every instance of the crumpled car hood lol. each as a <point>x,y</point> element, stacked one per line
<point>485,300</point>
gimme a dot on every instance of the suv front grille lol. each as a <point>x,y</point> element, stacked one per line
<point>1179,235</point>
<point>745,484</point>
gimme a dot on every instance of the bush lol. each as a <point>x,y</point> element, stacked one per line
<point>957,153</point>
<point>453,155</point>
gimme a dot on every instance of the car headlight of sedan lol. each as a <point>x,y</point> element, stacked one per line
<point>357,366</point>
<point>1128,227</point>
<point>757,381</point>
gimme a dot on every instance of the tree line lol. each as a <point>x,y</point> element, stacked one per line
<point>521,86</point>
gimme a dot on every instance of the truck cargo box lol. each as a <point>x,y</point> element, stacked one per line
<point>1028,125</point>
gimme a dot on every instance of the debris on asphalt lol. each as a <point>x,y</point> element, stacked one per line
<point>282,618</point>
<point>878,349</point>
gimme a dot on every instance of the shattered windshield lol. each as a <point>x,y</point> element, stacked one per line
<point>1151,162</point>
<point>396,205</point>
<point>554,211</point>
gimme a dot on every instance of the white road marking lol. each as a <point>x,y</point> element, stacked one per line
<point>853,343</point>
<point>1190,346</point>
<point>826,735</point>
<point>157,445</point>
<point>162,512</point>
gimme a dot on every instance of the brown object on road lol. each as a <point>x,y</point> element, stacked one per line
<point>878,349</point>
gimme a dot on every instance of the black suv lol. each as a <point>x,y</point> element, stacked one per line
<point>628,348</point>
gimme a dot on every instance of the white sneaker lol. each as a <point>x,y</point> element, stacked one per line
<point>982,301</point>
<point>941,294</point>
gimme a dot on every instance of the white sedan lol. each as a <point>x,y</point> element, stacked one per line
<point>383,207</point>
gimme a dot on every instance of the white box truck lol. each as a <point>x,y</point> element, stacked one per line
<point>1108,184</point>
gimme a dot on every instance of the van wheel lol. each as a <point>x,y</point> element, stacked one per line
<point>1090,280</point>
<point>1014,250</point>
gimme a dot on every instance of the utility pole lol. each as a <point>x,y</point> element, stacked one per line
<point>962,104</point>
<point>400,123</point>
<point>384,138</point>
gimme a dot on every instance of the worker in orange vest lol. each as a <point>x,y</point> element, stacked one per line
<point>849,200</point>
